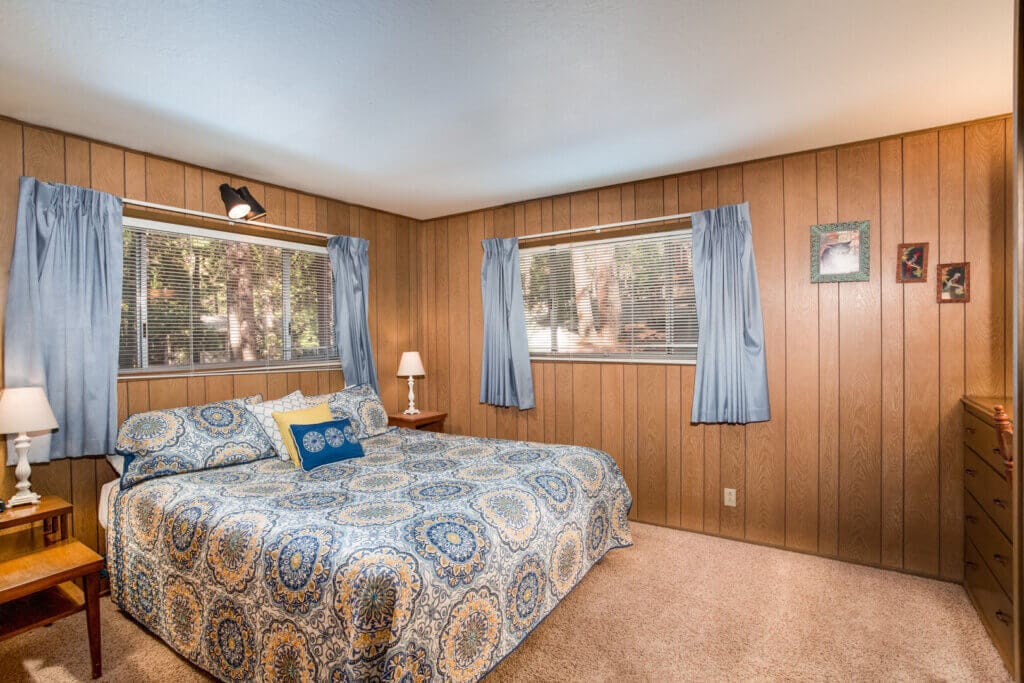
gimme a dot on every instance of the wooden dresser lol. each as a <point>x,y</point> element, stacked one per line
<point>988,520</point>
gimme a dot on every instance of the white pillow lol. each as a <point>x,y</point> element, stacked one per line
<point>264,413</point>
<point>117,462</point>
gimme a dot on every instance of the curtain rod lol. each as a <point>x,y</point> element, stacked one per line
<point>218,217</point>
<point>606,226</point>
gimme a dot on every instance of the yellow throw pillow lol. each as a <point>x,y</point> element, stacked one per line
<point>305,416</point>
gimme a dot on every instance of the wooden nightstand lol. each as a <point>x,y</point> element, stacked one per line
<point>38,566</point>
<point>427,420</point>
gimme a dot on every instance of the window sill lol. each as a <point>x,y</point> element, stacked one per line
<point>147,373</point>
<point>615,361</point>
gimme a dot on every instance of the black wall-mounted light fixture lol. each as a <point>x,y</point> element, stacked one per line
<point>256,210</point>
<point>235,205</point>
<point>241,204</point>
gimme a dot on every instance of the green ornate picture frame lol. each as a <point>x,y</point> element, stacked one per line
<point>841,252</point>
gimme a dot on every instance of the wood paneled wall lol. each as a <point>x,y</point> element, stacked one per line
<point>861,459</point>
<point>57,157</point>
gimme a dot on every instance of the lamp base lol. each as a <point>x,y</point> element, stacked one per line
<point>412,409</point>
<point>25,495</point>
<point>23,498</point>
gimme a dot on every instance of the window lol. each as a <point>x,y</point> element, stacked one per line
<point>196,299</point>
<point>621,298</point>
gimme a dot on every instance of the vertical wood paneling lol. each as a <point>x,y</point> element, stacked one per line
<point>650,436</point>
<point>611,407</point>
<point>673,446</point>
<point>475,255</point>
<point>983,198</point>
<point>630,407</point>
<point>951,367</point>
<point>891,183</point>
<point>765,469</point>
<point>801,210</point>
<point>712,433</point>
<point>733,457</point>
<point>860,387</point>
<point>586,403</point>
<point>458,308</point>
<point>829,416</point>
<point>921,316</point>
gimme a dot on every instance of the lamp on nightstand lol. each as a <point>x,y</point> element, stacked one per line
<point>411,366</point>
<point>24,410</point>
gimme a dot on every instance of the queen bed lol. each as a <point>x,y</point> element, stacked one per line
<point>431,557</point>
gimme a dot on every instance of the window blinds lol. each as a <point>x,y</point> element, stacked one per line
<point>197,299</point>
<point>622,298</point>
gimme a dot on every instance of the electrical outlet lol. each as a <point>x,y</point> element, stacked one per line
<point>730,498</point>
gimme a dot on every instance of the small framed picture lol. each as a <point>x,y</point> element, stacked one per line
<point>840,252</point>
<point>953,284</point>
<point>912,262</point>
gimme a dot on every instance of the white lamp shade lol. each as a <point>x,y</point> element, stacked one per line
<point>25,409</point>
<point>411,365</point>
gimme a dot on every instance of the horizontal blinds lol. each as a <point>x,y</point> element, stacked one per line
<point>192,300</point>
<point>623,298</point>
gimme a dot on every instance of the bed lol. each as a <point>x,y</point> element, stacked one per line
<point>432,557</point>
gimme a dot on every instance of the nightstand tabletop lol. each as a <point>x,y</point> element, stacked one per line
<point>46,508</point>
<point>423,417</point>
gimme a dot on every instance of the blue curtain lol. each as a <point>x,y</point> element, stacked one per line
<point>505,379</point>
<point>350,263</point>
<point>62,325</point>
<point>732,379</point>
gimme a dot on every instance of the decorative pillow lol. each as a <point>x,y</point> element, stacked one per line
<point>363,407</point>
<point>264,413</point>
<point>305,416</point>
<point>325,442</point>
<point>162,442</point>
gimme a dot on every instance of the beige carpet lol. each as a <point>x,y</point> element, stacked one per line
<point>676,606</point>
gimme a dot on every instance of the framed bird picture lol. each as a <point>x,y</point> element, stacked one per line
<point>840,252</point>
<point>912,262</point>
<point>953,284</point>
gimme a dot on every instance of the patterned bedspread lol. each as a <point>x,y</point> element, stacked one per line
<point>431,557</point>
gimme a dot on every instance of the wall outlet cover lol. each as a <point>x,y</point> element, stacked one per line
<point>730,498</point>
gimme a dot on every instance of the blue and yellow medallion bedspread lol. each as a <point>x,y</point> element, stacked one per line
<point>431,558</point>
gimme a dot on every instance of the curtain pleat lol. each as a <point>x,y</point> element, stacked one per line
<point>731,384</point>
<point>505,378</point>
<point>350,264</point>
<point>62,324</point>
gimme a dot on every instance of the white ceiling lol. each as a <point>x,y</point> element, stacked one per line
<point>430,108</point>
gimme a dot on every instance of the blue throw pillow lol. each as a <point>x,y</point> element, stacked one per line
<point>326,442</point>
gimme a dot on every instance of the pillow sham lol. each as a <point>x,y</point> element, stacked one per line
<point>310,415</point>
<point>325,442</point>
<point>163,442</point>
<point>363,407</point>
<point>264,413</point>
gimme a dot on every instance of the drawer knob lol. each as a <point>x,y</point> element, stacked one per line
<point>1001,559</point>
<point>1003,616</point>
<point>970,564</point>
<point>969,430</point>
<point>970,472</point>
<point>999,503</point>
<point>970,519</point>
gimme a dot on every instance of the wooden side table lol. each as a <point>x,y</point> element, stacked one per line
<point>427,420</point>
<point>37,573</point>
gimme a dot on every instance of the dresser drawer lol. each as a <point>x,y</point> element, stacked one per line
<point>990,489</point>
<point>983,439</point>
<point>993,604</point>
<point>995,549</point>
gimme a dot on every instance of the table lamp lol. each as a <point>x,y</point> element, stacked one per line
<point>411,366</point>
<point>24,410</point>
